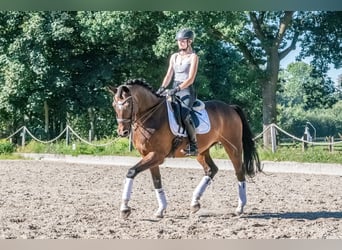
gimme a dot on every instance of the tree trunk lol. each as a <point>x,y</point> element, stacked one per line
<point>271,45</point>
<point>269,90</point>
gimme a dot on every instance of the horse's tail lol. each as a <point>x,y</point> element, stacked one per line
<point>251,161</point>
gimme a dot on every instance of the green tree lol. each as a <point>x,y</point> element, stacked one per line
<point>57,64</point>
<point>302,97</point>
<point>321,38</point>
<point>114,47</point>
<point>12,71</point>
<point>302,87</point>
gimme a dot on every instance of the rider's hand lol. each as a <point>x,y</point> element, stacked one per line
<point>173,91</point>
<point>160,91</point>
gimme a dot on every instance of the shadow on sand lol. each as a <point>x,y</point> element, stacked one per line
<point>297,215</point>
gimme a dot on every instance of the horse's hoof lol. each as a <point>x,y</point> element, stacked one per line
<point>125,213</point>
<point>194,208</point>
<point>239,211</point>
<point>159,214</point>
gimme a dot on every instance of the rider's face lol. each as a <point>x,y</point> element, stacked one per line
<point>182,43</point>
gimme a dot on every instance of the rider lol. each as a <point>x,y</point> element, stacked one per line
<point>183,68</point>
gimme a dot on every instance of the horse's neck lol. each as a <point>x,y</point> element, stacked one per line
<point>146,119</point>
<point>146,103</point>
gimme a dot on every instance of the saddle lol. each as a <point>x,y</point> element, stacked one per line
<point>198,113</point>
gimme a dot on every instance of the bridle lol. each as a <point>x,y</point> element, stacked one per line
<point>147,113</point>
<point>120,104</point>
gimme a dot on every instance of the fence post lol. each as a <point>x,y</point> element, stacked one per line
<point>306,138</point>
<point>67,136</point>
<point>89,135</point>
<point>331,143</point>
<point>23,135</point>
<point>304,144</point>
<point>273,138</point>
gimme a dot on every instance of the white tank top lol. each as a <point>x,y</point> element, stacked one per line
<point>181,68</point>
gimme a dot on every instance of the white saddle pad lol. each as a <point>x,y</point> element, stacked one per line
<point>202,128</point>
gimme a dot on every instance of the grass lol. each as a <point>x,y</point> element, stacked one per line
<point>121,147</point>
<point>10,157</point>
<point>296,154</point>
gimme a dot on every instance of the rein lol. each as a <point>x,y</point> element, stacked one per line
<point>149,112</point>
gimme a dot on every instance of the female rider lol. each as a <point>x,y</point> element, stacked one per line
<point>183,69</point>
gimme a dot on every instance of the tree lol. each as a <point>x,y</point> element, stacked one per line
<point>56,64</point>
<point>321,38</point>
<point>302,97</point>
<point>263,39</point>
<point>11,71</point>
<point>302,87</point>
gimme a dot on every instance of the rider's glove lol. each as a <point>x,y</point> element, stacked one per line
<point>160,90</point>
<point>173,91</point>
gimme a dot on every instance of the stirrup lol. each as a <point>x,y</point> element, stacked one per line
<point>190,151</point>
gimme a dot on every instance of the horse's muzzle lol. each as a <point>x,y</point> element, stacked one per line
<point>123,133</point>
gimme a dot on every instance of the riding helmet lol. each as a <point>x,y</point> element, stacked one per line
<point>185,34</point>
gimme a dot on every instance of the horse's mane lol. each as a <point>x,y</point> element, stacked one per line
<point>140,82</point>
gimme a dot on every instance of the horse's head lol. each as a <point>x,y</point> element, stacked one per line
<point>123,106</point>
<point>132,101</point>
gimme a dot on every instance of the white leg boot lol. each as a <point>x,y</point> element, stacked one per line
<point>162,203</point>
<point>126,196</point>
<point>198,192</point>
<point>242,197</point>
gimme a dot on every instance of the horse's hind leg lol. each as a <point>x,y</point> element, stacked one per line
<point>210,170</point>
<point>162,203</point>
<point>235,156</point>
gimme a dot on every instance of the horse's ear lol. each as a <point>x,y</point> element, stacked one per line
<point>125,89</point>
<point>113,90</point>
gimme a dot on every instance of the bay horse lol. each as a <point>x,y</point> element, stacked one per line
<point>144,113</point>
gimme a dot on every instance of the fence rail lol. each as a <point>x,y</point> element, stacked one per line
<point>306,140</point>
<point>275,132</point>
<point>68,131</point>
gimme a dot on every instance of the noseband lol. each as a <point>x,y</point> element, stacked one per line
<point>119,105</point>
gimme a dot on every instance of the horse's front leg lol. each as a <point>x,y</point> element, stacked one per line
<point>150,160</point>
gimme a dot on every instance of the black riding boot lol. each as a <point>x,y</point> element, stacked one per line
<point>191,150</point>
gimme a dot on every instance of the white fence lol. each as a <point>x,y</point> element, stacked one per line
<point>68,131</point>
<point>306,139</point>
<point>275,131</point>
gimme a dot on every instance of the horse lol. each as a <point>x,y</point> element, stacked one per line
<point>142,112</point>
